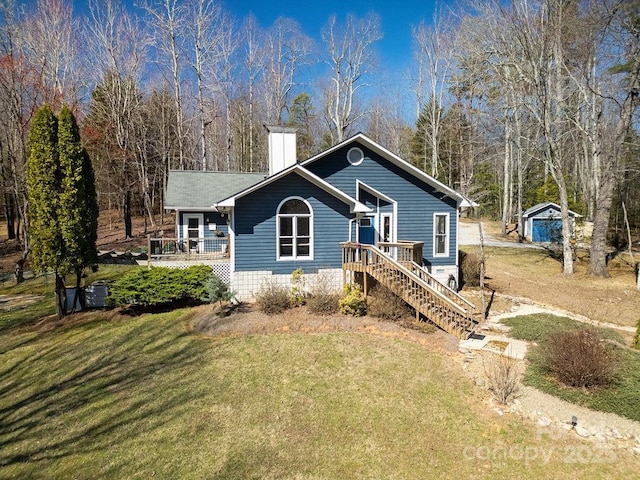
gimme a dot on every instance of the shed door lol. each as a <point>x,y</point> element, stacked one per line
<point>546,230</point>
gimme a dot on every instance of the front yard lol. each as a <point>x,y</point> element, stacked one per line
<point>108,396</point>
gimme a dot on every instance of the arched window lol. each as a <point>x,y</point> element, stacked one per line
<point>295,230</point>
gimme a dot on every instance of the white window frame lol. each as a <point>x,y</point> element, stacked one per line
<point>358,152</point>
<point>447,235</point>
<point>294,227</point>
<point>384,216</point>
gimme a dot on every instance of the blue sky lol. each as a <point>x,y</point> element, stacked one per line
<point>394,50</point>
<point>397,18</point>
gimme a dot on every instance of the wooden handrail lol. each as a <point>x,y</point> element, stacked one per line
<point>444,289</point>
<point>418,291</point>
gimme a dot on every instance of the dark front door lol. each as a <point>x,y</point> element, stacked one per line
<point>367,231</point>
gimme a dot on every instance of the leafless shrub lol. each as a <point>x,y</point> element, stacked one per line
<point>323,299</point>
<point>503,377</point>
<point>383,303</point>
<point>273,298</point>
<point>580,358</point>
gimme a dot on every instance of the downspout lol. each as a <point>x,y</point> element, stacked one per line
<point>350,226</point>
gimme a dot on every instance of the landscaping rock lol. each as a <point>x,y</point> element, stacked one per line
<point>583,432</point>
<point>544,421</point>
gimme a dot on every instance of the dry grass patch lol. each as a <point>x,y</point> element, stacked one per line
<point>532,274</point>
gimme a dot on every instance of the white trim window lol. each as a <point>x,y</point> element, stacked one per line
<point>294,230</point>
<point>440,234</point>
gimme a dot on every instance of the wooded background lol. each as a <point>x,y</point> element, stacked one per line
<point>516,103</point>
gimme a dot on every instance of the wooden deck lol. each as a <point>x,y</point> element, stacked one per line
<point>186,250</point>
<point>411,282</point>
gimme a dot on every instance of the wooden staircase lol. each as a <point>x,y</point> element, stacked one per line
<point>415,285</point>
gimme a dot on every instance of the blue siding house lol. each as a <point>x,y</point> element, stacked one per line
<point>301,214</point>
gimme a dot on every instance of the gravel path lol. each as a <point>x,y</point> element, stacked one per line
<point>553,415</point>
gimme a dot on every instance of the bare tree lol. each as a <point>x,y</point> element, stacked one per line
<point>523,48</point>
<point>254,67</point>
<point>351,59</point>
<point>286,49</point>
<point>20,94</point>
<point>621,26</point>
<point>169,19</point>
<point>38,63</point>
<point>51,44</point>
<point>385,125</point>
<point>434,56</point>
<point>118,46</point>
<point>208,26</point>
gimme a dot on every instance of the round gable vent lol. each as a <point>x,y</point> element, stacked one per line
<point>355,156</point>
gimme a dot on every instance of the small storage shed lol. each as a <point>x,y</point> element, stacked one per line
<point>543,223</point>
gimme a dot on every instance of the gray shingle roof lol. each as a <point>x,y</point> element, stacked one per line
<point>190,189</point>
<point>530,212</point>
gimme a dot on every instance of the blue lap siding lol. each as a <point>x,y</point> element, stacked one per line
<point>415,208</point>
<point>255,227</point>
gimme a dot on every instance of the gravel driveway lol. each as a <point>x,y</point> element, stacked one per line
<point>469,234</point>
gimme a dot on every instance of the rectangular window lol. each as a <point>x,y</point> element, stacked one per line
<point>440,234</point>
<point>386,227</point>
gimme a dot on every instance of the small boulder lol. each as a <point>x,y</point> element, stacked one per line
<point>583,432</point>
<point>544,421</point>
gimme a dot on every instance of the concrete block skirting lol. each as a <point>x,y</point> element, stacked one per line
<point>246,285</point>
<point>442,272</point>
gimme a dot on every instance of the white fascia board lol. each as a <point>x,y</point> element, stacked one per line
<point>468,203</point>
<point>373,191</point>
<point>396,160</point>
<point>360,208</point>
<point>356,207</point>
<point>190,209</point>
<point>227,203</point>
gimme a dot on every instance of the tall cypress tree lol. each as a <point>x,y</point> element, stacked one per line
<point>43,184</point>
<point>63,207</point>
<point>78,207</point>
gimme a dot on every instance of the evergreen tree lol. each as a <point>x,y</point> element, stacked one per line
<point>301,115</point>
<point>78,206</point>
<point>63,208</point>
<point>43,184</point>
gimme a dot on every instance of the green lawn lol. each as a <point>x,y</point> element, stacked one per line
<point>621,398</point>
<point>117,397</point>
<point>538,327</point>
